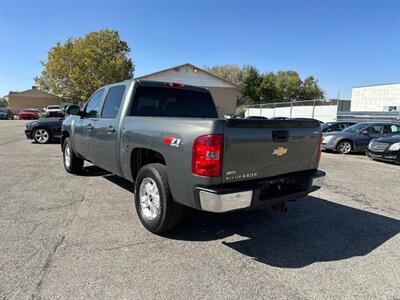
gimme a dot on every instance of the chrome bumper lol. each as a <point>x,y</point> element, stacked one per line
<point>218,203</point>
<point>224,202</point>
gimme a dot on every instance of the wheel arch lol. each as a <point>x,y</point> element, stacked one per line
<point>65,134</point>
<point>143,156</point>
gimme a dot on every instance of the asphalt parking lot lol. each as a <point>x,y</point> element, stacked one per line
<point>78,237</point>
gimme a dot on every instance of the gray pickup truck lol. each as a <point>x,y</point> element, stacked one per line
<point>167,139</point>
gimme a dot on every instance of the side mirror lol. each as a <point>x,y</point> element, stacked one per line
<point>364,132</point>
<point>73,110</point>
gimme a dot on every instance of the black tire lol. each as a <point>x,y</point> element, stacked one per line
<point>43,132</point>
<point>344,147</point>
<point>75,165</point>
<point>170,213</point>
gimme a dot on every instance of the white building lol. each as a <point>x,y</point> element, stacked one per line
<point>224,92</point>
<point>385,97</point>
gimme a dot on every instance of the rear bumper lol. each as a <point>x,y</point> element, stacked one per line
<point>328,146</point>
<point>259,194</point>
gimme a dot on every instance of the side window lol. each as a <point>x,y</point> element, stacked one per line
<point>340,126</point>
<point>147,106</point>
<point>393,128</point>
<point>113,101</point>
<point>375,129</point>
<point>92,107</point>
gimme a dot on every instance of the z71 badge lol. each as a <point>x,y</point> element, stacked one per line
<point>172,141</point>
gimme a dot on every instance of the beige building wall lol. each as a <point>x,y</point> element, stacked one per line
<point>225,99</point>
<point>31,99</point>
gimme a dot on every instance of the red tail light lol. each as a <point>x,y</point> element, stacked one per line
<point>173,84</point>
<point>319,148</point>
<point>207,155</point>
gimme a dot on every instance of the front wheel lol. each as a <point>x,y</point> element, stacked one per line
<point>344,147</point>
<point>41,136</point>
<point>72,163</point>
<point>157,210</point>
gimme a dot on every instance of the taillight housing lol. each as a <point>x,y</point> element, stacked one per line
<point>319,148</point>
<point>207,155</point>
<point>174,84</point>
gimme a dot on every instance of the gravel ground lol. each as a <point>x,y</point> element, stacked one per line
<point>78,237</point>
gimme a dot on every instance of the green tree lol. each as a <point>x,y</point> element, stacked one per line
<point>232,73</point>
<point>288,85</point>
<point>3,102</point>
<point>78,67</point>
<point>255,88</point>
<point>268,89</point>
<point>310,89</point>
<point>251,82</point>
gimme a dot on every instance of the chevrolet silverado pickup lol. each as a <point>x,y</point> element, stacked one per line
<point>167,139</point>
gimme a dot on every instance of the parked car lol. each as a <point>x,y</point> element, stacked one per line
<point>357,137</point>
<point>167,139</point>
<point>44,130</point>
<point>385,149</point>
<point>336,126</point>
<point>54,111</point>
<point>29,114</point>
<point>6,114</point>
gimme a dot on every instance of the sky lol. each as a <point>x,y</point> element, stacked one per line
<point>343,43</point>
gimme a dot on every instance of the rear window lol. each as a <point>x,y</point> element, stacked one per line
<point>172,102</point>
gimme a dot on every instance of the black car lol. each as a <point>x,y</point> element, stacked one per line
<point>44,130</point>
<point>386,149</point>
<point>336,126</point>
<point>6,114</point>
<point>357,137</point>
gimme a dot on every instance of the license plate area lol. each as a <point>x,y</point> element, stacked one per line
<point>282,186</point>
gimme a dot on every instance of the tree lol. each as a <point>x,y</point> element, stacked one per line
<point>268,89</point>
<point>255,88</point>
<point>251,82</point>
<point>78,67</point>
<point>3,102</point>
<point>310,89</point>
<point>288,85</point>
<point>231,73</point>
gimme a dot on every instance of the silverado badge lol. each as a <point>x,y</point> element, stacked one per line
<point>280,151</point>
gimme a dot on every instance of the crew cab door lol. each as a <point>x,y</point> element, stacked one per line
<point>105,136</point>
<point>84,127</point>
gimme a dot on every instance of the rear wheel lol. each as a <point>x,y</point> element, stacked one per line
<point>72,163</point>
<point>41,136</point>
<point>344,147</point>
<point>157,210</point>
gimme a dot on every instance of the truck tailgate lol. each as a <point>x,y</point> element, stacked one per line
<point>255,149</point>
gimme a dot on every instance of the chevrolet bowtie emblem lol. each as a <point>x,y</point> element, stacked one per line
<point>280,151</point>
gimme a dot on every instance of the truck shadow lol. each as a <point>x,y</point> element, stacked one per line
<point>313,230</point>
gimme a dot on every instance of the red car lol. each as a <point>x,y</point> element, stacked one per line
<point>29,114</point>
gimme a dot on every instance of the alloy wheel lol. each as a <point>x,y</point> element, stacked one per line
<point>149,199</point>
<point>41,136</point>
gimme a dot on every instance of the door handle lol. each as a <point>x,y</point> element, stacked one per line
<point>110,129</point>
